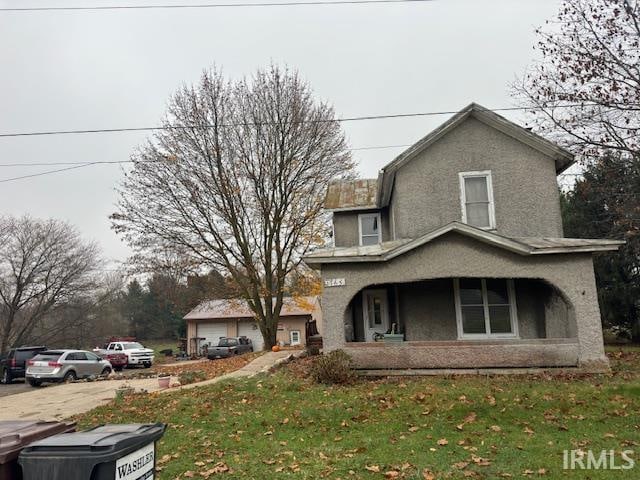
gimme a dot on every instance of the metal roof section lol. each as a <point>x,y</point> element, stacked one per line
<point>520,245</point>
<point>351,195</point>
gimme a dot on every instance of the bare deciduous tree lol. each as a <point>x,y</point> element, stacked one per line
<point>590,58</point>
<point>237,179</point>
<point>43,264</point>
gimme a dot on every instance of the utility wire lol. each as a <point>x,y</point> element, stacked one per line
<point>45,164</point>
<point>48,172</point>
<point>106,162</point>
<point>207,5</point>
<point>189,127</point>
<point>78,165</point>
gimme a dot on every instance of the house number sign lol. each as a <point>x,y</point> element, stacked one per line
<point>334,282</point>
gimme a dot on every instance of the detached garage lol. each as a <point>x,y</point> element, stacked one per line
<point>233,318</point>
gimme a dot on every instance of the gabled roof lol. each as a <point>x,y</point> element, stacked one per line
<point>563,158</point>
<point>522,245</point>
<point>238,308</point>
<point>351,194</point>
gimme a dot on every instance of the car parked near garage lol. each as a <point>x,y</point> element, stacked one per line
<point>65,366</point>
<point>229,346</point>
<point>14,364</point>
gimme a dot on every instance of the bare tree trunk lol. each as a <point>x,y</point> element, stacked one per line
<point>237,181</point>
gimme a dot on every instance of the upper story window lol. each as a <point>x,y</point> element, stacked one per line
<point>476,195</point>
<point>370,228</point>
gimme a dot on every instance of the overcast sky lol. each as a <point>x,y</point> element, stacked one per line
<point>106,69</point>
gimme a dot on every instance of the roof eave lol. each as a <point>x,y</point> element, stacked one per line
<point>562,158</point>
<point>614,246</point>
<point>352,209</point>
<point>489,238</point>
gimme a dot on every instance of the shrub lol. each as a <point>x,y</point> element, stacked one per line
<point>335,367</point>
<point>312,350</point>
<point>191,377</point>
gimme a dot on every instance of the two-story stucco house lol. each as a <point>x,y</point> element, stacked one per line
<point>457,248</point>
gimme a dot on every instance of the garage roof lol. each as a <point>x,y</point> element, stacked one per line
<point>238,308</point>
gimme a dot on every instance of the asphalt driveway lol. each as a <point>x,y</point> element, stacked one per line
<point>57,402</point>
<point>18,386</point>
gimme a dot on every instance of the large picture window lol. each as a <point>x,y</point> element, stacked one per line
<point>370,228</point>
<point>485,308</point>
<point>476,195</point>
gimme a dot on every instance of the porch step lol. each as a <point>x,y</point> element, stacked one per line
<point>468,371</point>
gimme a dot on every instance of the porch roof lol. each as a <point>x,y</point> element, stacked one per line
<point>521,245</point>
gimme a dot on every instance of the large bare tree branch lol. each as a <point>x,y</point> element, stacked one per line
<point>240,189</point>
<point>590,58</point>
<point>43,264</point>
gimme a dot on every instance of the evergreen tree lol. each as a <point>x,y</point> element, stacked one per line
<point>605,203</point>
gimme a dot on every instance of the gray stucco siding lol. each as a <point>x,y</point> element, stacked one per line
<point>427,310</point>
<point>346,230</point>
<point>454,255</point>
<point>426,191</point>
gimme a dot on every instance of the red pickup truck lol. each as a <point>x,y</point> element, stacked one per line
<point>118,360</point>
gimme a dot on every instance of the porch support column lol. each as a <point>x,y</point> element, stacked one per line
<point>583,295</point>
<point>335,301</point>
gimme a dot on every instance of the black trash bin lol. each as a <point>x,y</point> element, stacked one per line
<point>16,435</point>
<point>120,452</point>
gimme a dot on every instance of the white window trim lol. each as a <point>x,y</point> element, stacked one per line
<point>463,200</point>
<point>333,230</point>
<point>392,216</point>
<point>360,217</point>
<point>513,313</point>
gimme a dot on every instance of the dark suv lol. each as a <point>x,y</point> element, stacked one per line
<point>14,364</point>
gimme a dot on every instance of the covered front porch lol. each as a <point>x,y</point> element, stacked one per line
<point>462,298</point>
<point>461,322</point>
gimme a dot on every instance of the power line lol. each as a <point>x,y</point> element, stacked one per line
<point>48,172</point>
<point>77,165</point>
<point>188,127</point>
<point>45,164</point>
<point>108,162</point>
<point>208,5</point>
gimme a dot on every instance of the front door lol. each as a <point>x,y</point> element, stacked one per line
<point>375,312</point>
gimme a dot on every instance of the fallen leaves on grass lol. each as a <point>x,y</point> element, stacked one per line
<point>210,368</point>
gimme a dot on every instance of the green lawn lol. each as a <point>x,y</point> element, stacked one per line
<point>458,427</point>
<point>158,345</point>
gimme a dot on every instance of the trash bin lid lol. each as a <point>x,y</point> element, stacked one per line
<point>103,439</point>
<point>17,434</point>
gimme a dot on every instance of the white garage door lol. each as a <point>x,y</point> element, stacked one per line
<point>251,331</point>
<point>211,331</point>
